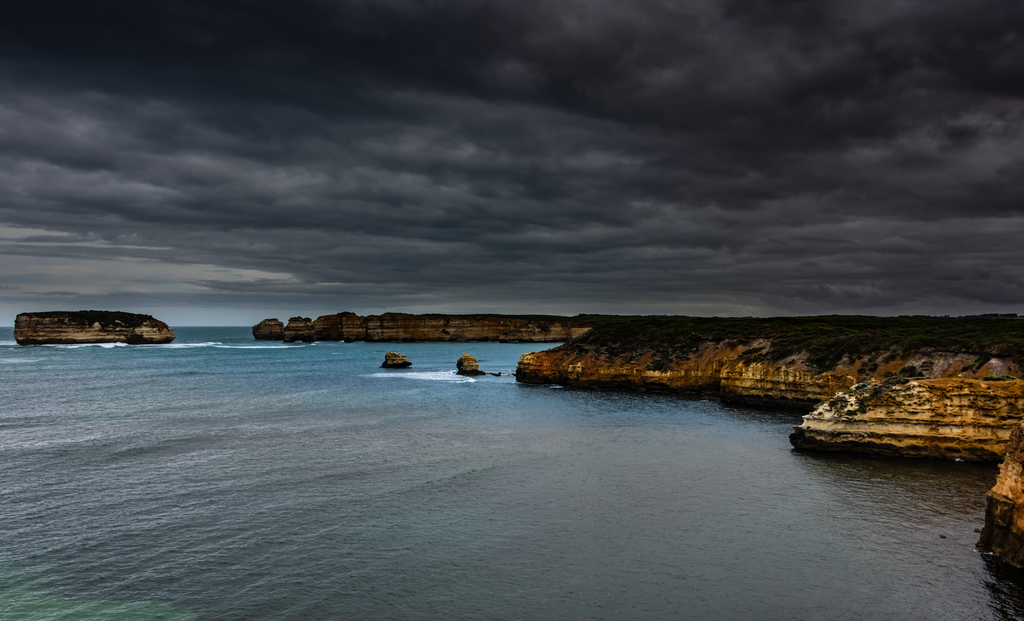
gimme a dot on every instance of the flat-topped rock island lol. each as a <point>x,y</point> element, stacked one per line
<point>91,326</point>
<point>403,327</point>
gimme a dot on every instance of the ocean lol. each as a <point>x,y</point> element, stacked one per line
<point>221,478</point>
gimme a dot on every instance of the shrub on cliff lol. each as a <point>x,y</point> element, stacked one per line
<point>825,340</point>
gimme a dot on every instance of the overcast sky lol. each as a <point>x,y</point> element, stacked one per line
<point>221,162</point>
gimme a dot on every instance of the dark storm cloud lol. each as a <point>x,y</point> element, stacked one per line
<point>707,157</point>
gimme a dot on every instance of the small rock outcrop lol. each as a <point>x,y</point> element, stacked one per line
<point>467,365</point>
<point>268,330</point>
<point>1004,518</point>
<point>394,360</point>
<point>939,418</point>
<point>73,327</point>
<point>299,329</point>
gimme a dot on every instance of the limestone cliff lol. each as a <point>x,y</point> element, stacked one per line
<point>72,327</point>
<point>1004,518</point>
<point>792,362</point>
<point>939,418</point>
<point>268,330</point>
<point>399,327</point>
<point>299,329</point>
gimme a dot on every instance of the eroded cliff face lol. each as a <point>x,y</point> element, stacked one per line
<point>299,329</point>
<point>268,330</point>
<point>1004,517</point>
<point>398,327</point>
<point>71,327</point>
<point>941,418</point>
<point>726,367</point>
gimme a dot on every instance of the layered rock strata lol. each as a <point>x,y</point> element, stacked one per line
<point>467,365</point>
<point>1004,517</point>
<point>729,368</point>
<point>394,360</point>
<point>299,329</point>
<point>401,327</point>
<point>941,418</point>
<point>73,327</point>
<point>268,330</point>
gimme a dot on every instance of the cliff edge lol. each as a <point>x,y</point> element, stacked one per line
<point>956,418</point>
<point>72,327</point>
<point>1004,518</point>
<point>782,361</point>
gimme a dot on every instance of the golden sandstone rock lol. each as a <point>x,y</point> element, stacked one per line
<point>1004,518</point>
<point>402,327</point>
<point>467,365</point>
<point>393,360</point>
<point>268,330</point>
<point>299,329</point>
<point>722,367</point>
<point>940,418</point>
<point>72,327</point>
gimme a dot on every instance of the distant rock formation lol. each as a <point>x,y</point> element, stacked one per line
<point>299,329</point>
<point>73,327</point>
<point>1004,518</point>
<point>401,327</point>
<point>467,365</point>
<point>940,418</point>
<point>393,360</point>
<point>340,327</point>
<point>268,330</point>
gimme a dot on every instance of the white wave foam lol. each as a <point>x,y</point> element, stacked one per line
<point>18,360</point>
<point>433,376</point>
<point>78,345</point>
<point>254,346</point>
<point>189,345</point>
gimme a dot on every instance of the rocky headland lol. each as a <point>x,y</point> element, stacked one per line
<point>1004,517</point>
<point>75,327</point>
<point>790,362</point>
<point>402,327</point>
<point>956,418</point>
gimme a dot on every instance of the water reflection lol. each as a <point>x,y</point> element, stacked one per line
<point>1005,584</point>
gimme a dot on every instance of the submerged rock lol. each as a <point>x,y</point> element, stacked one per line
<point>467,365</point>
<point>71,327</point>
<point>268,330</point>
<point>394,360</point>
<point>1004,518</point>
<point>940,418</point>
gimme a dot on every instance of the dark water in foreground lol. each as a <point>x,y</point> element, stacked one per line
<point>220,478</point>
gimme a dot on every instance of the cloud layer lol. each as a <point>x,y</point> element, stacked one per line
<point>706,157</point>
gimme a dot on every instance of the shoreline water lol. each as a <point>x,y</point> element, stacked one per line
<point>221,480</point>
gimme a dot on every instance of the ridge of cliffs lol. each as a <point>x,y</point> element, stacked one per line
<point>951,418</point>
<point>1003,533</point>
<point>74,327</point>
<point>399,327</point>
<point>789,362</point>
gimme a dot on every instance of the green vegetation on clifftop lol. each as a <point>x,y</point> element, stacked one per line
<point>825,339</point>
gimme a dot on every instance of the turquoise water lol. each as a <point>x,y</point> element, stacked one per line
<point>223,478</point>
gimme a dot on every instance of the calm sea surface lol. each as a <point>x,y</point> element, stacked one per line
<point>223,478</point>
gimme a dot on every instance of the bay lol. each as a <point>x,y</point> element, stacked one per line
<point>223,478</point>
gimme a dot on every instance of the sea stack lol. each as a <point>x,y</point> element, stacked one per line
<point>467,365</point>
<point>268,330</point>
<point>75,327</point>
<point>394,360</point>
<point>1003,534</point>
<point>299,329</point>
